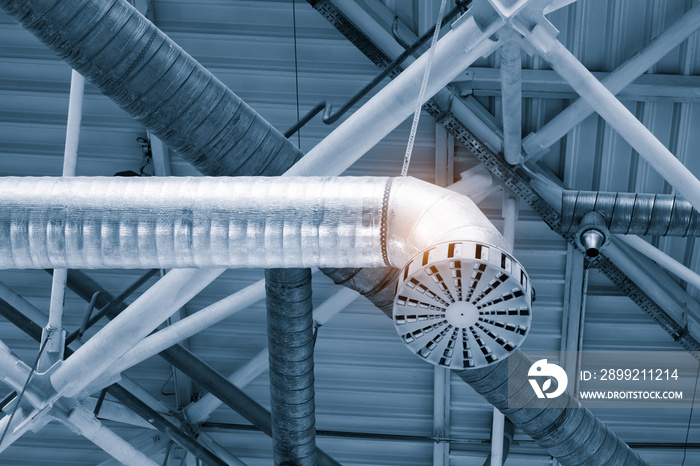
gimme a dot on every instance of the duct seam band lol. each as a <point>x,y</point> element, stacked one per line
<point>384,226</point>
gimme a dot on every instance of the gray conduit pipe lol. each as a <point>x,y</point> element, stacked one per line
<point>156,82</point>
<point>229,222</point>
<point>632,213</point>
<point>290,330</point>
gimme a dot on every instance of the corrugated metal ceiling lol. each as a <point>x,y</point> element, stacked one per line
<point>366,381</point>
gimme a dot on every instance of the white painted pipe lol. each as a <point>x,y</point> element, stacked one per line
<point>615,113</point>
<point>663,259</point>
<point>81,421</point>
<point>54,348</point>
<point>535,145</point>
<point>190,326</point>
<point>8,295</point>
<point>170,293</point>
<point>75,116</point>
<point>497,432</point>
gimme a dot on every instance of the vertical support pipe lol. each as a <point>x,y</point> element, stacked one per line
<point>290,330</point>
<point>144,404</point>
<point>54,329</point>
<point>615,113</point>
<point>498,425</point>
<point>510,214</point>
<point>536,144</point>
<point>511,100</point>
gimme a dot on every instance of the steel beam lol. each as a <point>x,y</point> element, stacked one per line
<point>483,141</point>
<point>143,404</point>
<point>15,373</point>
<point>536,145</point>
<point>547,84</point>
<point>141,318</point>
<point>613,111</point>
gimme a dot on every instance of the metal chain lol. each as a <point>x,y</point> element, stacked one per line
<point>421,94</point>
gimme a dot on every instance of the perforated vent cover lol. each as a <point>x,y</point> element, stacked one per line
<point>463,305</point>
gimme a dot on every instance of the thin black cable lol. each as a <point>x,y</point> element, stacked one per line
<point>296,64</point>
<point>690,417</point>
<point>24,388</point>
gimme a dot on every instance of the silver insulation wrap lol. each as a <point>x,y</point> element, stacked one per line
<point>228,222</point>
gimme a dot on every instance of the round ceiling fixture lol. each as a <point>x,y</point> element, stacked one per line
<point>463,305</point>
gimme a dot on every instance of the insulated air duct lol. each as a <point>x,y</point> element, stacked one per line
<point>458,278</point>
<point>229,222</point>
<point>594,216</point>
<point>631,213</point>
<point>291,353</point>
<point>179,111</point>
<point>150,77</point>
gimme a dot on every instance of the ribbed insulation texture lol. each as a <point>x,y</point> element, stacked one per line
<point>630,213</point>
<point>291,342</point>
<point>190,222</point>
<point>229,222</point>
<point>149,76</point>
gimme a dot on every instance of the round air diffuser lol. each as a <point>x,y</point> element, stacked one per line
<point>463,305</point>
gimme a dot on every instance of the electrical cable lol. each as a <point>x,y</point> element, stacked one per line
<point>421,94</point>
<point>690,416</point>
<point>26,384</point>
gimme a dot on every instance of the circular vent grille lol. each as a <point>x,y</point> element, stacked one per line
<point>463,305</point>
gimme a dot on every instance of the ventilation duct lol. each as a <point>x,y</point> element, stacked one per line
<point>150,77</point>
<point>291,341</point>
<point>195,114</point>
<point>229,222</point>
<point>631,213</point>
<point>593,216</point>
